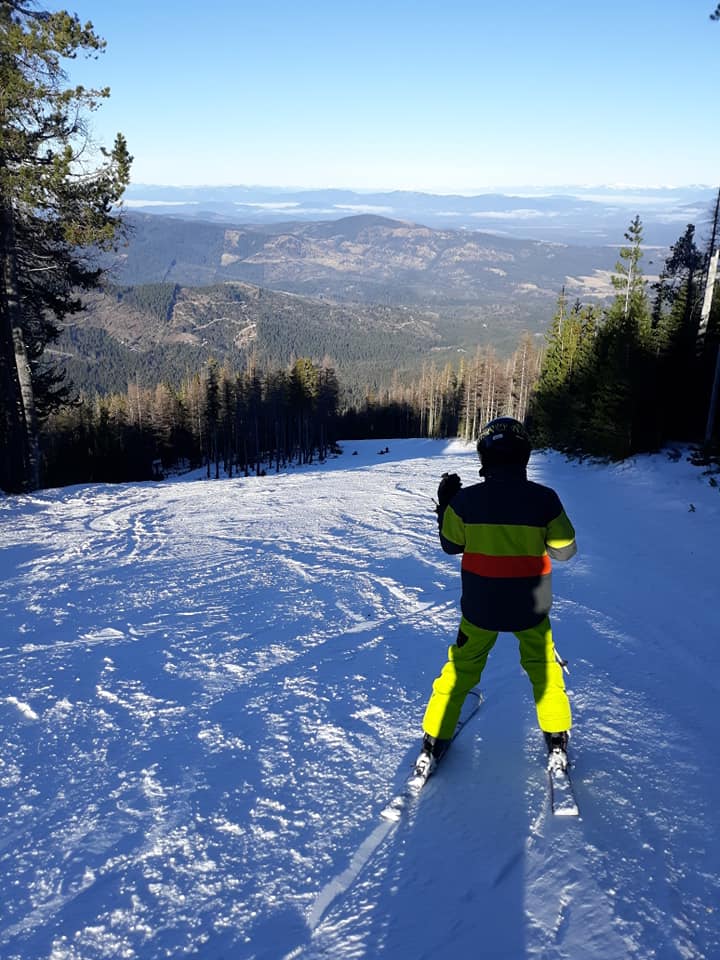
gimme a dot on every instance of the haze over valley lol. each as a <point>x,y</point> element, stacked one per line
<point>569,214</point>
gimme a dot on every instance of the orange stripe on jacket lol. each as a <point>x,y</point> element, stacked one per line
<point>485,565</point>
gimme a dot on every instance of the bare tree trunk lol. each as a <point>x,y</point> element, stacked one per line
<point>511,368</point>
<point>489,413</point>
<point>422,402</point>
<point>28,406</point>
<point>19,472</point>
<point>431,404</point>
<point>708,298</point>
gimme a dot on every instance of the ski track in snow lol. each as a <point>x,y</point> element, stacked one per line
<point>210,689</point>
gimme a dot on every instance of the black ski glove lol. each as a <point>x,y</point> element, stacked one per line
<point>449,486</point>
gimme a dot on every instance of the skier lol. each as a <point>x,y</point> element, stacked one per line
<point>507,529</point>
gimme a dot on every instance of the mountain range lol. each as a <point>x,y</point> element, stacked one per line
<point>376,295</point>
<point>586,215</point>
<point>364,258</point>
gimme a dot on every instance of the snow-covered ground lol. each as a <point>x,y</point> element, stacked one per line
<point>210,689</point>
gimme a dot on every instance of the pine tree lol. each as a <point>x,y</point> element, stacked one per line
<point>54,208</point>
<point>675,336</point>
<point>621,420</point>
<point>166,418</point>
<point>276,392</point>
<point>253,402</point>
<point>327,406</point>
<point>227,419</point>
<point>550,421</point>
<point>304,390</point>
<point>211,416</point>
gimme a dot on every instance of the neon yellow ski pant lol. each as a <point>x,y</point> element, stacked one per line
<point>466,661</point>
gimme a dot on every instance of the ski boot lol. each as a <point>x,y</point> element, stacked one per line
<point>435,746</point>
<point>557,744</point>
<point>432,750</point>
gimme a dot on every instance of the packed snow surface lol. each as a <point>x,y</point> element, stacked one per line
<point>210,689</point>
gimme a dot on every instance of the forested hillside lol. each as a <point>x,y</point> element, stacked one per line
<point>378,296</point>
<point>605,384</point>
<point>157,332</point>
<point>359,258</point>
<point>481,288</point>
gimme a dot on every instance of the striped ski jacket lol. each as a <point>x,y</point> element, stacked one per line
<point>507,528</point>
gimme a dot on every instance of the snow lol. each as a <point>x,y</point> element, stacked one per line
<point>210,690</point>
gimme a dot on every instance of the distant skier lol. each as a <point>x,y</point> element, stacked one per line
<point>507,529</point>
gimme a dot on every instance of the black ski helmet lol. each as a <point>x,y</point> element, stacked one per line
<point>504,441</point>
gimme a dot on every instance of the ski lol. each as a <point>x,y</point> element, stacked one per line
<point>562,794</point>
<point>415,783</point>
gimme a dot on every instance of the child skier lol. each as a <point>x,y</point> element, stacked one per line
<point>507,529</point>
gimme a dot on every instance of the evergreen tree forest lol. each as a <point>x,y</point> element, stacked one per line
<point>250,422</point>
<point>638,374</point>
<point>611,381</point>
<point>230,423</point>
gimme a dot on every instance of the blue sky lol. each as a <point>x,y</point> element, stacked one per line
<point>407,94</point>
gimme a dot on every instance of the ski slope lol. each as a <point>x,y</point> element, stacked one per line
<point>209,690</point>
